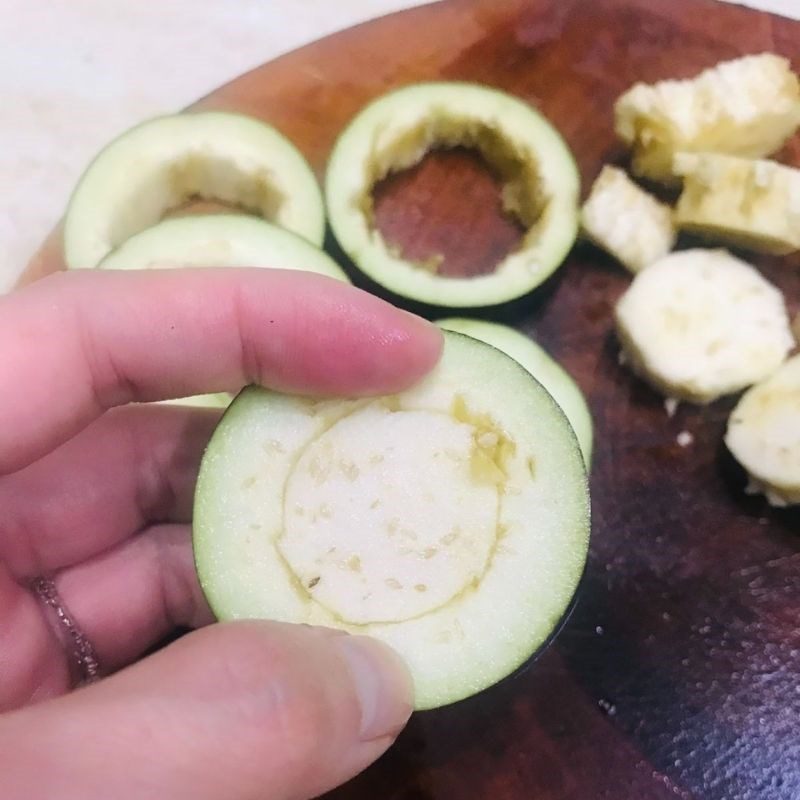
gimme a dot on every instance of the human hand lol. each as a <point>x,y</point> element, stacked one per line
<point>96,496</point>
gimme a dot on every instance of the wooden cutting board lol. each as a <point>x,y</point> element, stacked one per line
<point>678,674</point>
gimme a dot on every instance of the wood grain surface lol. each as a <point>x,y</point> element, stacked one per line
<point>678,673</point>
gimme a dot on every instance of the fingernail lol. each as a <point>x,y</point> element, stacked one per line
<point>382,683</point>
<point>429,331</point>
<point>420,320</point>
<point>422,323</point>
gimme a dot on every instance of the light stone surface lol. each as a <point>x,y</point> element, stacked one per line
<point>74,73</point>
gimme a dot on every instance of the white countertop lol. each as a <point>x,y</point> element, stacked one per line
<point>74,73</point>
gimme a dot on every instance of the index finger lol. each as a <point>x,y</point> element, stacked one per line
<point>75,344</point>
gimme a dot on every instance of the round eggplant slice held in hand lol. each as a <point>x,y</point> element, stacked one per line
<point>450,521</point>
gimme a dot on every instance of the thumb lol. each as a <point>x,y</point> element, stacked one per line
<point>237,710</point>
